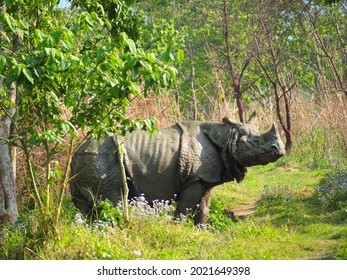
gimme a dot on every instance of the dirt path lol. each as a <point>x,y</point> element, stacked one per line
<point>250,207</point>
<point>242,212</point>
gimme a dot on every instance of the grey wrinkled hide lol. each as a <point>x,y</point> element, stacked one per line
<point>183,161</point>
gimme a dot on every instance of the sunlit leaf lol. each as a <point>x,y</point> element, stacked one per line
<point>28,74</point>
<point>2,62</point>
<point>132,46</point>
<point>180,56</point>
<point>11,22</point>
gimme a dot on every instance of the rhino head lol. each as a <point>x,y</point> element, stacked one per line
<point>242,145</point>
<point>251,148</point>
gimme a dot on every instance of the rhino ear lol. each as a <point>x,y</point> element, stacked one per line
<point>228,122</point>
<point>217,133</point>
<point>251,118</point>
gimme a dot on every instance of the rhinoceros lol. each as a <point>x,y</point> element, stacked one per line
<point>182,162</point>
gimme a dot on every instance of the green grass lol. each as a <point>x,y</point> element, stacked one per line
<point>292,221</point>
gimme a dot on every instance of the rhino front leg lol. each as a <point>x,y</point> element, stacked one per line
<point>201,217</point>
<point>189,198</point>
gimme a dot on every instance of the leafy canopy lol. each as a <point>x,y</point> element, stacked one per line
<point>78,69</point>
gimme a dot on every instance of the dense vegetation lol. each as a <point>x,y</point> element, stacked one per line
<point>108,67</point>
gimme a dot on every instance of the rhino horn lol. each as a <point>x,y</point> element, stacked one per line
<point>273,129</point>
<point>274,133</point>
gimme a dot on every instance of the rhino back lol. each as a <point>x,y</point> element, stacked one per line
<point>152,163</point>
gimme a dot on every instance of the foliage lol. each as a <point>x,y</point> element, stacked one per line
<point>138,207</point>
<point>76,71</point>
<point>278,195</point>
<point>306,38</point>
<point>217,219</point>
<point>108,214</point>
<point>332,195</point>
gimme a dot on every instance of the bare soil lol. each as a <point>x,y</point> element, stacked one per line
<point>242,212</point>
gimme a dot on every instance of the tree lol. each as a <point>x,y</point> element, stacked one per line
<point>236,51</point>
<point>273,44</point>
<point>77,71</point>
<point>325,26</point>
<point>228,56</point>
<point>8,205</point>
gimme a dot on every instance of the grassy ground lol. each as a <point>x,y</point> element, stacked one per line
<point>299,213</point>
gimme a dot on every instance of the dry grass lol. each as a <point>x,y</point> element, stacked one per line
<point>328,114</point>
<point>162,108</point>
<point>320,129</point>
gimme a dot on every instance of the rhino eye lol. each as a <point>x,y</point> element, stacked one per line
<point>256,141</point>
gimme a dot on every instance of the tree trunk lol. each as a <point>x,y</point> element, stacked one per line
<point>235,80</point>
<point>8,203</point>
<point>195,104</point>
<point>239,103</point>
<point>286,125</point>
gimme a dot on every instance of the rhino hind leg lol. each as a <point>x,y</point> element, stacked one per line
<point>96,176</point>
<point>80,200</point>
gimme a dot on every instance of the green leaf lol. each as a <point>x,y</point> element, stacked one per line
<point>39,71</point>
<point>151,58</point>
<point>166,55</point>
<point>123,38</point>
<point>132,46</point>
<point>50,52</point>
<point>5,37</point>
<point>67,126</point>
<point>11,22</point>
<point>28,74</point>
<point>131,61</point>
<point>135,89</point>
<point>89,20</point>
<point>180,56</point>
<point>2,62</point>
<point>17,69</point>
<point>10,79</point>
<point>146,65</point>
<point>65,65</point>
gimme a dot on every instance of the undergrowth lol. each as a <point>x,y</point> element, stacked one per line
<point>319,212</point>
<point>290,222</point>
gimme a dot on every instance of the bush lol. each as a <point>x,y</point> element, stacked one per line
<point>332,195</point>
<point>278,195</point>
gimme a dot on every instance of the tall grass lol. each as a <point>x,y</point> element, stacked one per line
<point>320,132</point>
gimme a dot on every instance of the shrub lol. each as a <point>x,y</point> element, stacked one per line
<point>332,195</point>
<point>277,195</point>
